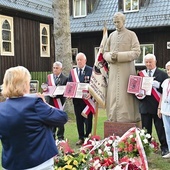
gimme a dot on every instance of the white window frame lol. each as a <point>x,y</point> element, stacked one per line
<point>77,8</point>
<point>144,51</point>
<point>46,52</point>
<point>2,51</point>
<point>128,5</point>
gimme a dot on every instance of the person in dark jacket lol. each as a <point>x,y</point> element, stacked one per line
<point>81,74</point>
<point>57,78</point>
<point>148,105</point>
<point>25,124</point>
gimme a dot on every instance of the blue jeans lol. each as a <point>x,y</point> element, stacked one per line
<point>166,121</point>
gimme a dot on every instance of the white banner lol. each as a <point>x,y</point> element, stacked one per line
<point>99,78</point>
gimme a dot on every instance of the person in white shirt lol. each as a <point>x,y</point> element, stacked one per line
<point>164,107</point>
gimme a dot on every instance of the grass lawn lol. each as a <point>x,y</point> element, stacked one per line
<point>155,161</point>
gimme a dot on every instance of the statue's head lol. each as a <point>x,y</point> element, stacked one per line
<point>119,20</point>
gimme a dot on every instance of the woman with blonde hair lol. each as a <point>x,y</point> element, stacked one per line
<point>25,124</point>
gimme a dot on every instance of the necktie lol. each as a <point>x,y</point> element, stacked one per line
<point>80,74</point>
<point>56,80</point>
<point>150,72</point>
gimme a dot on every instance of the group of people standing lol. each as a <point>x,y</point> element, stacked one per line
<point>28,123</point>
<point>82,73</point>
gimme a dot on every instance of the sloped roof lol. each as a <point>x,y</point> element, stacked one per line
<point>38,7</point>
<point>154,14</point>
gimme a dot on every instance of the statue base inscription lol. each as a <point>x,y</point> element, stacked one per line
<point>117,128</point>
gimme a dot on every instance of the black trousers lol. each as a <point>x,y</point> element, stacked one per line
<point>147,120</point>
<point>84,125</point>
<point>60,129</point>
<point>60,132</point>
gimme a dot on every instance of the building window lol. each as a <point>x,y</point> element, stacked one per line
<point>145,49</point>
<point>44,40</point>
<point>79,8</point>
<point>6,36</point>
<point>131,5</point>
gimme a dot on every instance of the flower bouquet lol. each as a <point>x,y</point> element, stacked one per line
<point>113,153</point>
<point>72,161</point>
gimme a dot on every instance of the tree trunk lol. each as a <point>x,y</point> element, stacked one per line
<point>62,38</point>
<point>62,35</point>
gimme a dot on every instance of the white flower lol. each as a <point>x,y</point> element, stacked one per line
<point>142,132</point>
<point>105,143</point>
<point>96,164</point>
<point>118,167</point>
<point>107,148</point>
<point>131,136</point>
<point>148,136</point>
<point>109,153</point>
<point>145,141</point>
<point>93,142</point>
<point>86,140</point>
<point>110,141</point>
<point>99,151</point>
<point>151,145</point>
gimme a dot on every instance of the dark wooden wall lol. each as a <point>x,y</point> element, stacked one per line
<point>159,37</point>
<point>27,47</point>
<point>27,43</point>
<point>86,42</point>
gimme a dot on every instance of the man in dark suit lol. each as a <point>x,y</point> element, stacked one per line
<point>57,78</point>
<point>149,104</point>
<point>81,74</point>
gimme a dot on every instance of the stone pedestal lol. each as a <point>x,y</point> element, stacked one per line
<point>117,128</point>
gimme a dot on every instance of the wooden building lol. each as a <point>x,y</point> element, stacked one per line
<point>26,30</point>
<point>26,36</point>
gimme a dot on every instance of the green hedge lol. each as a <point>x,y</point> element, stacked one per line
<point>40,76</point>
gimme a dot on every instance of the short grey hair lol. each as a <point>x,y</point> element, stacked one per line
<point>81,54</point>
<point>150,56</point>
<point>167,64</point>
<point>58,63</point>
